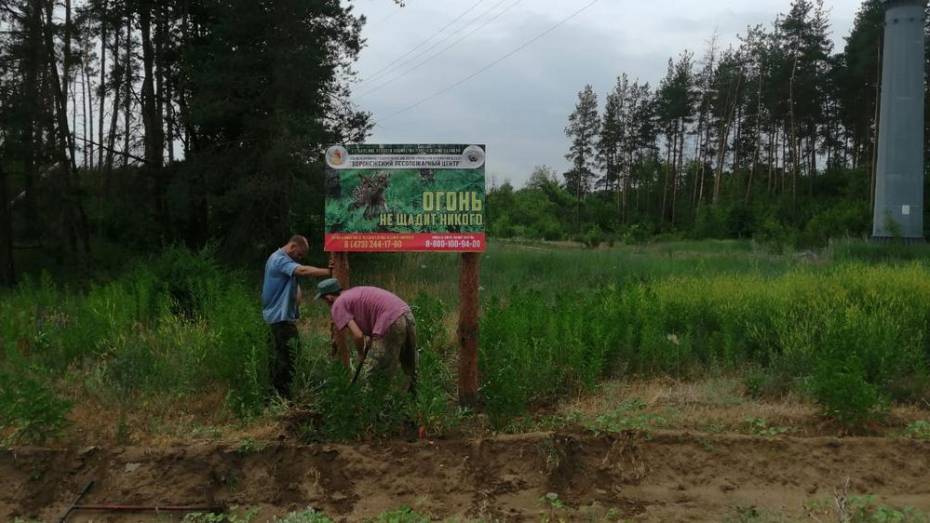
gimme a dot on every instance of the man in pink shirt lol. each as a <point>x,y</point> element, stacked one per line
<point>381,324</point>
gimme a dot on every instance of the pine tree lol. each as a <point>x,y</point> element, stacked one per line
<point>728,86</point>
<point>804,37</point>
<point>857,86</point>
<point>637,146</point>
<point>703,148</point>
<point>270,91</point>
<point>612,136</point>
<point>583,128</point>
<point>676,99</point>
<point>756,121</point>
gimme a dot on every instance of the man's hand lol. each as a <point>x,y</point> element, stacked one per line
<point>364,347</point>
<point>361,340</point>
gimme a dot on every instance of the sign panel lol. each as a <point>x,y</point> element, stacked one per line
<point>405,198</point>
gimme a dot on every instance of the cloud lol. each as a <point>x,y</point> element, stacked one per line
<point>519,108</point>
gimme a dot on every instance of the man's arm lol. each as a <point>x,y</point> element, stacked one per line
<point>307,271</point>
<point>358,336</point>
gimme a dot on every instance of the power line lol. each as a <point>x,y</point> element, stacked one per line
<point>421,44</point>
<point>453,34</point>
<point>495,62</point>
<point>443,50</point>
<point>482,20</point>
<point>446,38</point>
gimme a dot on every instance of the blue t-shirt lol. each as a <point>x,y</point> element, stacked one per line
<point>279,290</point>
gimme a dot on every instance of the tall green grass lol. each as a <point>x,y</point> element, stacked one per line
<point>514,266</point>
<point>173,325</point>
<point>853,336</point>
<point>178,325</point>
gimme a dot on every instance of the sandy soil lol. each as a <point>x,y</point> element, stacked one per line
<point>662,476</point>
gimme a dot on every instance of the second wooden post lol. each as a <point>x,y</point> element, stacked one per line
<point>468,329</point>
<point>342,272</point>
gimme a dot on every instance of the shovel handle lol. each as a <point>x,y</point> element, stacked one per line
<point>84,491</point>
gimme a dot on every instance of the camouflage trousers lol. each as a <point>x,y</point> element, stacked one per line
<point>398,347</point>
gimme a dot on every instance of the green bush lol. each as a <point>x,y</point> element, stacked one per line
<point>501,227</point>
<point>637,234</point>
<point>350,411</point>
<point>840,387</point>
<point>594,237</point>
<point>840,221</point>
<point>711,222</point>
<point>29,408</point>
<point>185,277</point>
<point>774,236</point>
<point>551,229</point>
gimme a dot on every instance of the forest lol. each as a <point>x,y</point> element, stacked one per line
<point>143,124</point>
<point>771,139</point>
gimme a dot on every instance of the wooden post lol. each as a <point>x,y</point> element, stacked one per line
<point>342,272</point>
<point>468,329</point>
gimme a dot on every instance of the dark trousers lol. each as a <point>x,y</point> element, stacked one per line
<point>282,367</point>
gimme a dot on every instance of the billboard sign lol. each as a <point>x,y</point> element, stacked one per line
<point>405,198</point>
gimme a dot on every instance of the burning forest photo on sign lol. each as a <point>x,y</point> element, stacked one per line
<point>410,197</point>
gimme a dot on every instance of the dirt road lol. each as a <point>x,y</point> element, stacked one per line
<point>659,477</point>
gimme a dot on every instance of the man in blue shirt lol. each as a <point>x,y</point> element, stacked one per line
<point>281,297</point>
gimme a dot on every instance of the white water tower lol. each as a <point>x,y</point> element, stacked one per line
<point>899,182</point>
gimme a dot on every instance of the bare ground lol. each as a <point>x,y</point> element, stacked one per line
<point>662,476</point>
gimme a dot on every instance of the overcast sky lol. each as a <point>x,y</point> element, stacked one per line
<point>520,106</point>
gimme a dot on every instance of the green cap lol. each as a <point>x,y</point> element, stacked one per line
<point>330,286</point>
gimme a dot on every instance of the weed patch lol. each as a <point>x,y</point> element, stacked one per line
<point>401,515</point>
<point>918,430</point>
<point>628,415</point>
<point>29,409</point>
<point>761,427</point>
<point>305,516</point>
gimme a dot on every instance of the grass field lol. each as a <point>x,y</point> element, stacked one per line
<point>707,378</point>
<point>175,347</point>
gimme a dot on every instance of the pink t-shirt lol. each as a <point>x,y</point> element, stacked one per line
<point>374,310</point>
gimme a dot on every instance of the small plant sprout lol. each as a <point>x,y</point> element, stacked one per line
<point>761,427</point>
<point>918,430</point>
<point>553,501</point>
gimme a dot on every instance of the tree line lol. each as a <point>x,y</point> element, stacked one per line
<point>149,122</point>
<point>773,136</point>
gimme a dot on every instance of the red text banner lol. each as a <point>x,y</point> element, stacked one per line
<point>393,242</point>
